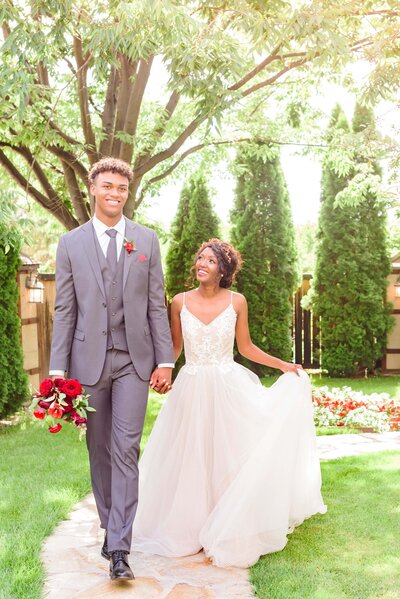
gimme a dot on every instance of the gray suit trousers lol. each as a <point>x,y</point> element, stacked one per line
<point>113,438</point>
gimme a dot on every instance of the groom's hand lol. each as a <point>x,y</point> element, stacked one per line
<point>160,380</point>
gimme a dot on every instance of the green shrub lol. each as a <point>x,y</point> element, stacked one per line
<point>262,230</point>
<point>195,222</point>
<point>13,379</point>
<point>350,283</point>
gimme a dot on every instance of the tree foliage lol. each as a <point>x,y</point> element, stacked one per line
<point>195,222</point>
<point>349,289</point>
<point>151,81</point>
<point>13,380</point>
<point>262,230</point>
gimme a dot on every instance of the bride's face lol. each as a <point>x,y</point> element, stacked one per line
<point>207,267</point>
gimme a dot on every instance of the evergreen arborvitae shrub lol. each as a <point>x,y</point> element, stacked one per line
<point>263,232</point>
<point>195,222</point>
<point>13,379</point>
<point>350,283</point>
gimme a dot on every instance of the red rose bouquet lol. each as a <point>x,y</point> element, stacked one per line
<point>61,400</point>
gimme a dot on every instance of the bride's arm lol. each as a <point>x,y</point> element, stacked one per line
<point>245,345</point>
<point>176,329</point>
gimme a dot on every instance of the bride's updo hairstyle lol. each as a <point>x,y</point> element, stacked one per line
<point>229,260</point>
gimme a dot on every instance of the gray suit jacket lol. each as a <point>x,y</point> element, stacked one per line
<point>80,318</point>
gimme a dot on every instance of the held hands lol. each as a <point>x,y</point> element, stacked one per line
<point>289,367</point>
<point>160,380</point>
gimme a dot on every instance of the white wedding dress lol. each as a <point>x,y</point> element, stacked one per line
<point>230,466</point>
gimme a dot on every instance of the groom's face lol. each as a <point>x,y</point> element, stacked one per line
<point>111,193</point>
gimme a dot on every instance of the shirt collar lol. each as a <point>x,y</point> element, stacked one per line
<point>101,228</point>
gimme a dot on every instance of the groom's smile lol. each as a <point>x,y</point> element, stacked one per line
<point>111,193</point>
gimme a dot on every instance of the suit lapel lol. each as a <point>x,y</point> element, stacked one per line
<point>130,230</point>
<point>91,253</point>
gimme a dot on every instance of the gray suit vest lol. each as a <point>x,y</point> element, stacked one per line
<point>113,285</point>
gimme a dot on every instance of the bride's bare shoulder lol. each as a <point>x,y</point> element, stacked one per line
<point>177,302</point>
<point>238,300</point>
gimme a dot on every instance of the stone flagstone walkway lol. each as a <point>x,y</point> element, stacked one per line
<point>75,570</point>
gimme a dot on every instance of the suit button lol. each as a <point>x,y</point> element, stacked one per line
<point>104,305</point>
<point>104,332</point>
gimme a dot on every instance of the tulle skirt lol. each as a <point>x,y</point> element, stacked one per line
<point>230,467</point>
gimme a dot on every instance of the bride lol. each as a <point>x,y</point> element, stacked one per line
<point>230,467</point>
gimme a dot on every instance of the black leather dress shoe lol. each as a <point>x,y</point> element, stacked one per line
<point>119,566</point>
<point>104,549</point>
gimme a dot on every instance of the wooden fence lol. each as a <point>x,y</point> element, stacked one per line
<point>36,325</point>
<point>306,334</point>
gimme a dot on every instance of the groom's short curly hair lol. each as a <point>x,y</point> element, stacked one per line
<point>110,165</point>
<point>229,259</point>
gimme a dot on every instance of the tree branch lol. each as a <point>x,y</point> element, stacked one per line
<point>83,96</point>
<point>64,136</point>
<point>71,160</point>
<point>126,71</point>
<point>198,147</point>
<point>173,148</point>
<point>278,75</point>
<point>159,132</point>
<point>134,104</point>
<point>37,169</point>
<point>260,67</point>
<point>53,205</point>
<point>76,195</point>
<point>6,29</point>
<point>108,116</point>
<point>43,74</point>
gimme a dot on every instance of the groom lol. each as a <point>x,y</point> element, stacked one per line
<point>110,331</point>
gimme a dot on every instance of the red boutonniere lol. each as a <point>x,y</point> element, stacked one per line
<point>129,246</point>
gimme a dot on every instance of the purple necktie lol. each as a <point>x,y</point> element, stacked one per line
<point>111,255</point>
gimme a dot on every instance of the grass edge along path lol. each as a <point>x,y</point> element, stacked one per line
<point>352,550</point>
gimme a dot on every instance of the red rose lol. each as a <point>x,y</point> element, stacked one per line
<point>129,246</point>
<point>72,388</point>
<point>43,404</point>
<point>59,383</point>
<point>79,421</point>
<point>56,411</point>
<point>46,387</point>
<point>39,413</point>
<point>55,428</point>
<point>67,408</point>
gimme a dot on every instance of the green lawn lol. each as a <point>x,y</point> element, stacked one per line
<point>42,476</point>
<point>373,384</point>
<point>352,552</point>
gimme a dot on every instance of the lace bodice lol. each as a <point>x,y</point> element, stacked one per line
<point>209,344</point>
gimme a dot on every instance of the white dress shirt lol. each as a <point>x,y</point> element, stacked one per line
<point>104,239</point>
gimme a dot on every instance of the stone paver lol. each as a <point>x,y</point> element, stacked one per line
<point>340,446</point>
<point>75,570</point>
